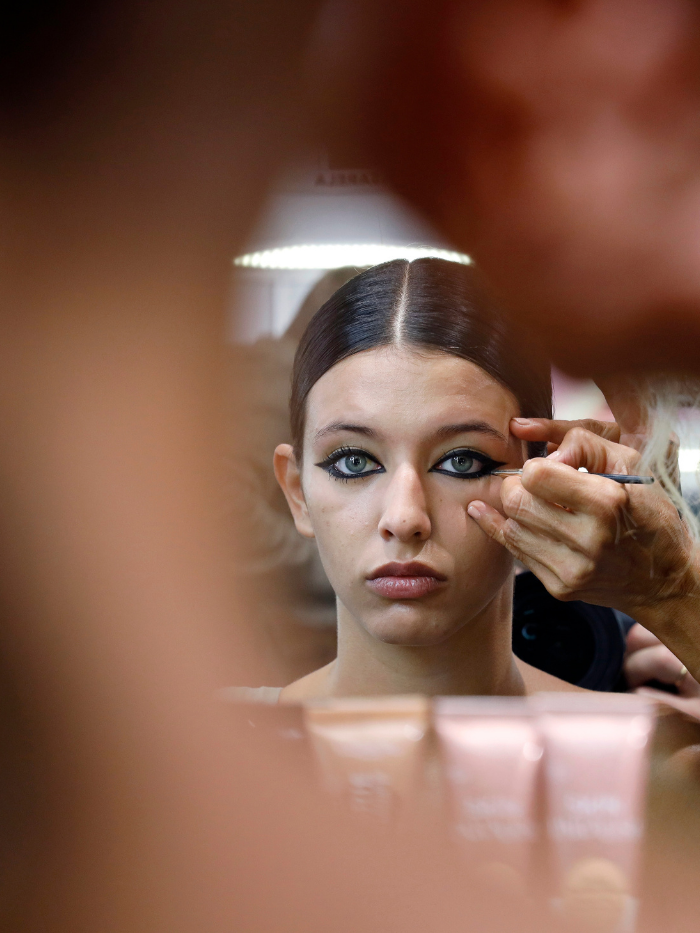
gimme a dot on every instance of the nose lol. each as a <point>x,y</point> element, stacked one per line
<point>405,516</point>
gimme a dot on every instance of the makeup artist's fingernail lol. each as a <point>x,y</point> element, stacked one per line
<point>523,422</point>
<point>474,510</point>
<point>555,455</point>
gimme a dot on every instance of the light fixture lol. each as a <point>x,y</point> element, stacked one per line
<point>321,216</point>
<point>337,255</point>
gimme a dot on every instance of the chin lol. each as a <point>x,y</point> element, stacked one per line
<point>411,629</point>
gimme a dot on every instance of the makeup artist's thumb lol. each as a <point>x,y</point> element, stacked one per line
<point>488,519</point>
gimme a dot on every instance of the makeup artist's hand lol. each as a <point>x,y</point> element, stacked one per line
<point>584,536</point>
<point>647,659</point>
<point>590,538</point>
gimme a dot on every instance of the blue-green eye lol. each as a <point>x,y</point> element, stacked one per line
<point>467,464</point>
<point>350,463</point>
<point>462,464</point>
<point>353,463</point>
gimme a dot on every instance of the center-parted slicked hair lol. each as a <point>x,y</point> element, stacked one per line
<point>427,304</point>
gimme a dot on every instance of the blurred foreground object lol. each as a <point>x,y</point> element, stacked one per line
<point>558,835</point>
<point>134,156</point>
<point>554,142</point>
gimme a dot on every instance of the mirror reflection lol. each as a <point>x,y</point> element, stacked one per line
<point>428,349</point>
<point>457,587</point>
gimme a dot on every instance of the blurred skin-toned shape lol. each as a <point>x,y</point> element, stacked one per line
<point>138,140</point>
<point>126,131</point>
<point>556,142</point>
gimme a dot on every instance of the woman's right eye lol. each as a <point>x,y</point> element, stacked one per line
<point>349,464</point>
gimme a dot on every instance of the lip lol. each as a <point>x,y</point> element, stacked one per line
<point>410,580</point>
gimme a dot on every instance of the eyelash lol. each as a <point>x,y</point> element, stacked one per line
<point>488,465</point>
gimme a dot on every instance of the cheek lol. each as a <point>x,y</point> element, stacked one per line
<point>460,533</point>
<point>486,490</point>
<point>489,491</point>
<point>341,520</point>
<point>470,546</point>
<point>482,564</point>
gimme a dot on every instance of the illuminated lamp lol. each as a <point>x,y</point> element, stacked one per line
<point>321,217</point>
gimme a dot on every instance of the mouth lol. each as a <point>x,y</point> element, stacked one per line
<point>411,580</point>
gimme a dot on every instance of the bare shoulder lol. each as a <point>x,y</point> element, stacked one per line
<point>308,687</point>
<point>537,681</point>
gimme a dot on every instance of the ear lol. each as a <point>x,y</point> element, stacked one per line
<point>289,478</point>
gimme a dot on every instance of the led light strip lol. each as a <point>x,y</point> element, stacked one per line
<point>334,256</point>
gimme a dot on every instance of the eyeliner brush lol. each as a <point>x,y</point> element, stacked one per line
<point>616,477</point>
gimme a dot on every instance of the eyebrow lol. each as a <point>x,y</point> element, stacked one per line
<point>343,426</point>
<point>448,430</point>
<point>470,427</point>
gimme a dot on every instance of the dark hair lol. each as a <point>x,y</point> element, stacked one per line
<point>429,303</point>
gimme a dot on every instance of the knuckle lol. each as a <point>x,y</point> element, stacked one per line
<point>496,532</point>
<point>617,499</point>
<point>611,501</point>
<point>536,470</point>
<point>580,434</point>
<point>514,501</point>
<point>576,441</point>
<point>513,539</point>
<point>512,532</point>
<point>560,591</point>
<point>596,540</point>
<point>576,575</point>
<point>631,462</point>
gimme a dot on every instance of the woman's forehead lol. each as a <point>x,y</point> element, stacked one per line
<point>391,386</point>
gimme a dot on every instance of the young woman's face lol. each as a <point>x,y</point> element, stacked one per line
<point>397,444</point>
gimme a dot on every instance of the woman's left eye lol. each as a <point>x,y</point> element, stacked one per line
<point>465,463</point>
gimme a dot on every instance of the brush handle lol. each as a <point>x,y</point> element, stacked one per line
<point>627,480</point>
<point>615,477</point>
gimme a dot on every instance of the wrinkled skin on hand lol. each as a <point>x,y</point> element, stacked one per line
<point>587,537</point>
<point>555,141</point>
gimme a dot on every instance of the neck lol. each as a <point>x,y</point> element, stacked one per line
<point>476,660</point>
